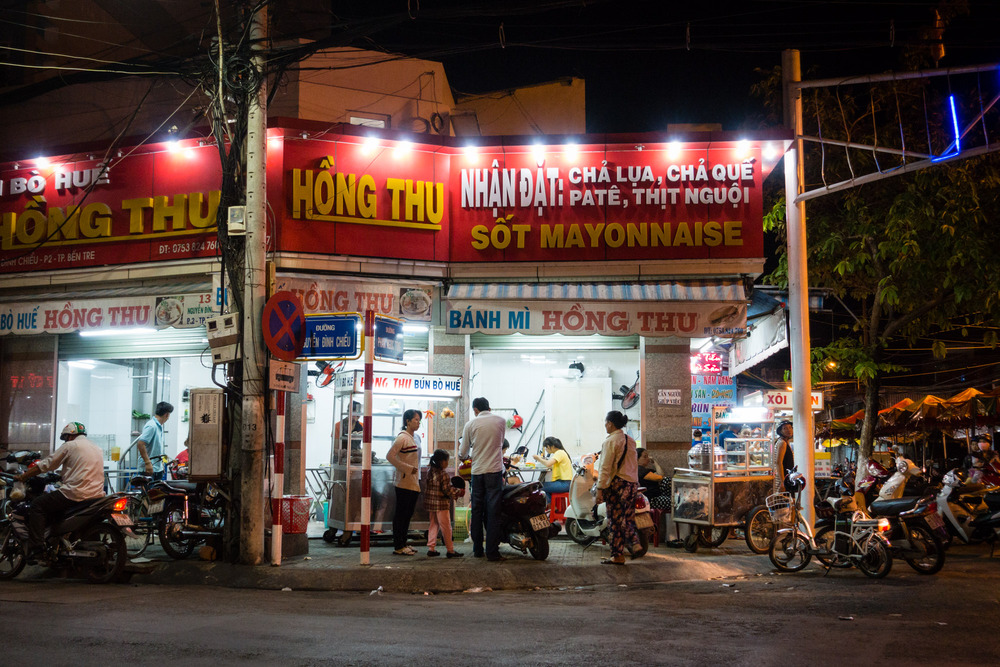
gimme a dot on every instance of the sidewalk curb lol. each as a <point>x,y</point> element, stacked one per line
<point>514,574</point>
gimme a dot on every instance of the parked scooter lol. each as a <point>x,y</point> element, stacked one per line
<point>523,522</point>
<point>959,504</point>
<point>989,521</point>
<point>193,512</point>
<point>87,538</point>
<point>587,521</point>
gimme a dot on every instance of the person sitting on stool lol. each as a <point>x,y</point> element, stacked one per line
<point>558,462</point>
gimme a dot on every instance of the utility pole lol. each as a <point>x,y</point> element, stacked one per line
<point>251,546</point>
<point>798,281</point>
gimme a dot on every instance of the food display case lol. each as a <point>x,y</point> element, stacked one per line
<point>435,396</point>
<point>734,477</point>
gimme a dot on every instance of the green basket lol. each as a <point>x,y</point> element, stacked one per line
<point>461,529</point>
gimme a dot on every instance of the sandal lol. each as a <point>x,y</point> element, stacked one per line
<point>612,561</point>
<point>405,551</point>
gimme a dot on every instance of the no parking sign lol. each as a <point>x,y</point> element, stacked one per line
<point>284,326</point>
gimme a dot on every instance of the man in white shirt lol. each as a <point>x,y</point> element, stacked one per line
<point>82,479</point>
<point>484,436</point>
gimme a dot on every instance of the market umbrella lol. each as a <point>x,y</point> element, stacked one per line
<point>892,418</point>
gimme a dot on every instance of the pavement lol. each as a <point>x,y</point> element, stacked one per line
<point>328,567</point>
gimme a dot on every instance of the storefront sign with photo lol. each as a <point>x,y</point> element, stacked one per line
<point>159,312</point>
<point>333,296</point>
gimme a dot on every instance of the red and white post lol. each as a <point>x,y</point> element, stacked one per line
<point>366,438</point>
<point>278,484</point>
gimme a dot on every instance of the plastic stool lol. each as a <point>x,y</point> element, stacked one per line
<point>557,510</point>
<point>657,516</point>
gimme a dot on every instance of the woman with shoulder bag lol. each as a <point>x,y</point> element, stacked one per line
<point>617,485</point>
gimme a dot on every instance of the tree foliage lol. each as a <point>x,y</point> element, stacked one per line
<point>909,256</point>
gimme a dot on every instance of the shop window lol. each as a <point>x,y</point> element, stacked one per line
<point>27,388</point>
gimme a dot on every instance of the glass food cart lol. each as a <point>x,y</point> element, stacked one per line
<point>727,484</point>
<point>437,397</point>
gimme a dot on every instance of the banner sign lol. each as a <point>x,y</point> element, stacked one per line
<point>160,312</point>
<point>353,195</point>
<point>411,303</point>
<point>401,384</point>
<point>708,391</point>
<point>692,319</point>
<point>66,212</point>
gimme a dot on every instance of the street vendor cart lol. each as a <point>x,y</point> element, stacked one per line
<point>727,483</point>
<point>437,397</point>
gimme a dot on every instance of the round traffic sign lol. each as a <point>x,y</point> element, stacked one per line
<point>284,326</point>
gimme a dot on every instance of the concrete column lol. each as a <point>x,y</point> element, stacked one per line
<point>448,354</point>
<point>665,363</point>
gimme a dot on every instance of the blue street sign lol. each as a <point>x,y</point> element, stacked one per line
<point>388,339</point>
<point>332,336</point>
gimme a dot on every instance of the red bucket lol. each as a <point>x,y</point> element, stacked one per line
<point>295,513</point>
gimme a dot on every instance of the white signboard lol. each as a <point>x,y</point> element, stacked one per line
<point>668,396</point>
<point>401,384</point>
<point>284,375</point>
<point>781,400</point>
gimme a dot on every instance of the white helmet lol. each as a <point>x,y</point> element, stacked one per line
<point>73,429</point>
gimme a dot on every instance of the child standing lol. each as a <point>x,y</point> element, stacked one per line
<point>438,496</point>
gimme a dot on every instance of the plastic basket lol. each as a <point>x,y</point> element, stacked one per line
<point>780,507</point>
<point>295,514</point>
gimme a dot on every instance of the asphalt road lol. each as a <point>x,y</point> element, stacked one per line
<point>805,618</point>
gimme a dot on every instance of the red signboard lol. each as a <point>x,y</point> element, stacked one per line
<point>380,197</point>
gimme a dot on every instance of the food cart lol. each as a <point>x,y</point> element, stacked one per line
<point>727,484</point>
<point>437,397</point>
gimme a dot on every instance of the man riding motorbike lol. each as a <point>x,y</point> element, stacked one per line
<point>82,479</point>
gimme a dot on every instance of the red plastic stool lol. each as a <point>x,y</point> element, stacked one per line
<point>657,516</point>
<point>557,510</point>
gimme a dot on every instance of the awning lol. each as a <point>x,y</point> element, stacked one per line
<point>689,309</point>
<point>663,291</point>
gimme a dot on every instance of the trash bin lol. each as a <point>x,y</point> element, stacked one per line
<point>295,514</point>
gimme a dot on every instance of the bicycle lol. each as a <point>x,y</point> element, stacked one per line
<point>862,544</point>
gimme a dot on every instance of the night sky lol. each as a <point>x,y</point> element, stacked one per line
<point>648,64</point>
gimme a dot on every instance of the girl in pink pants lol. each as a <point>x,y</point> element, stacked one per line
<point>438,497</point>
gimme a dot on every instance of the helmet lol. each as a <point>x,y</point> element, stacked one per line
<point>782,425</point>
<point>73,429</point>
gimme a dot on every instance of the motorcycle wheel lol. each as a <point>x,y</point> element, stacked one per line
<point>824,540</point>
<point>712,536</point>
<point>876,561</point>
<point>540,545</point>
<point>691,543</point>
<point>577,535</point>
<point>643,543</point>
<point>930,546</point>
<point>12,556</point>
<point>759,530</point>
<point>171,523</point>
<point>140,535</point>
<point>789,552</point>
<point>113,542</point>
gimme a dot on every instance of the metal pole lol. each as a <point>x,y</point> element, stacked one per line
<point>252,452</point>
<point>366,438</point>
<point>278,488</point>
<point>798,283</point>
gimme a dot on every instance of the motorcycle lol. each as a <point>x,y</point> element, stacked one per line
<point>87,538</point>
<point>587,521</point>
<point>989,521</point>
<point>959,504</point>
<point>523,522</point>
<point>192,513</point>
<point>14,463</point>
<point>915,529</point>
